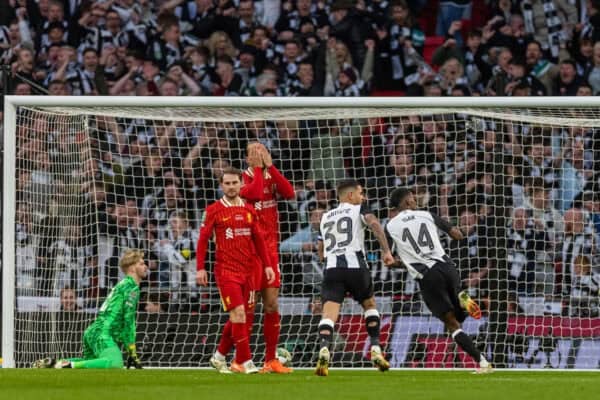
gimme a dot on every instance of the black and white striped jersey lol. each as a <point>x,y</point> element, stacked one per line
<point>343,236</point>
<point>416,240</point>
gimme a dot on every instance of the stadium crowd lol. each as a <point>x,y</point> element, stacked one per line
<point>152,179</point>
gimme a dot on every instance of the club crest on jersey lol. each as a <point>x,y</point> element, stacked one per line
<point>249,217</point>
<point>228,233</point>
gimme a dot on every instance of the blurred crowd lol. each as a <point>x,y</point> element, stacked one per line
<point>302,47</point>
<point>133,183</point>
<point>145,183</point>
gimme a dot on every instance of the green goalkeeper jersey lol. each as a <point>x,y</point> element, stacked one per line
<point>117,314</point>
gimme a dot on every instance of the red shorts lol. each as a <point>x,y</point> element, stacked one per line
<point>235,292</point>
<point>260,278</point>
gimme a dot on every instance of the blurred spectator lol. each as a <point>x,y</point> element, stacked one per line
<point>525,241</point>
<point>68,300</point>
<point>470,253</point>
<point>551,22</point>
<point>177,252</point>
<point>578,241</point>
<point>303,247</point>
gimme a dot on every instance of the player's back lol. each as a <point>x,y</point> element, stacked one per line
<point>416,240</point>
<point>342,232</point>
<point>111,317</point>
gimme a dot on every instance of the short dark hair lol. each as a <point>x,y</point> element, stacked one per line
<point>398,195</point>
<point>231,171</point>
<point>344,185</point>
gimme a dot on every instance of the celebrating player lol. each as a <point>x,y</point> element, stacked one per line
<point>415,234</point>
<point>239,240</point>
<point>115,324</point>
<point>343,246</point>
<point>262,183</point>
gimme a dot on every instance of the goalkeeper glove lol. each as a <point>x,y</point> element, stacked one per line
<point>132,358</point>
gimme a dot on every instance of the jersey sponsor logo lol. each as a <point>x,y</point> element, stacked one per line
<point>243,232</point>
<point>228,233</point>
<point>259,205</point>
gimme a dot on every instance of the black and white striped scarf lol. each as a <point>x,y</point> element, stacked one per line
<point>553,23</point>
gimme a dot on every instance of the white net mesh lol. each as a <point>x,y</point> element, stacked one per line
<point>522,183</point>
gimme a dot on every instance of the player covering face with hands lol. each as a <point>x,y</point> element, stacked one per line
<point>416,240</point>
<point>239,242</point>
<point>114,326</point>
<point>264,185</point>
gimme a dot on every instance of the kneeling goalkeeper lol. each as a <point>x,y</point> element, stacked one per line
<point>114,326</point>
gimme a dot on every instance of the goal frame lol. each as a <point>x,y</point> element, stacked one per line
<point>9,163</point>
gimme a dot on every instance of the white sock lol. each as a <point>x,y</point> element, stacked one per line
<point>376,348</point>
<point>483,363</point>
<point>219,356</point>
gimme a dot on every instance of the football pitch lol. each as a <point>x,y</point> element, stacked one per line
<point>340,384</point>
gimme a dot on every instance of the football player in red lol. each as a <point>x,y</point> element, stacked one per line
<point>239,242</point>
<point>263,185</point>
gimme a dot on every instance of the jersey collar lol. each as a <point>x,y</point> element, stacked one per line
<point>227,203</point>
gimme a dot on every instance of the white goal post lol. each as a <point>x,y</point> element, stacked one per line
<point>483,163</point>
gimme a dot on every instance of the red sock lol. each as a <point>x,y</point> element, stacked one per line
<point>226,342</point>
<point>271,332</point>
<point>250,319</point>
<point>242,344</point>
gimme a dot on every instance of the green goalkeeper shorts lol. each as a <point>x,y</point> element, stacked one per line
<point>101,346</point>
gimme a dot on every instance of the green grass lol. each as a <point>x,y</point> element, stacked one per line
<point>345,385</point>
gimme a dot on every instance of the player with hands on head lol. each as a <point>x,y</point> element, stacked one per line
<point>342,246</point>
<point>239,241</point>
<point>417,243</point>
<point>114,325</point>
<point>263,185</point>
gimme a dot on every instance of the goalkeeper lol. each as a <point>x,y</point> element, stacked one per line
<point>115,324</point>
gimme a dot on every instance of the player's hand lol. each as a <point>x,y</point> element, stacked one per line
<point>267,160</point>
<point>270,274</point>
<point>132,358</point>
<point>388,259</point>
<point>254,157</point>
<point>202,277</point>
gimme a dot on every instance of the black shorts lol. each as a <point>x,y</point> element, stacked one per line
<point>439,289</point>
<point>339,281</point>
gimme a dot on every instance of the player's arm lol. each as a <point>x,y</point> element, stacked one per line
<point>445,226</point>
<point>397,262</point>
<point>202,246</point>
<point>321,250</point>
<point>284,187</point>
<point>253,186</point>
<point>373,223</point>
<point>261,249</point>
<point>130,305</point>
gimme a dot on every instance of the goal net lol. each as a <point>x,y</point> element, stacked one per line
<point>90,181</point>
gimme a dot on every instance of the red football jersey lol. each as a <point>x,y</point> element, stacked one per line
<point>261,187</point>
<point>238,238</point>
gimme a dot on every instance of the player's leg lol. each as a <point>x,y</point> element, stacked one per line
<point>373,327</point>
<point>464,341</point>
<point>271,329</point>
<point>99,352</point>
<point>331,312</point>
<point>333,291</point>
<point>361,285</point>
<point>235,296</point>
<point>239,331</point>
<point>109,358</point>
<point>272,320</point>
